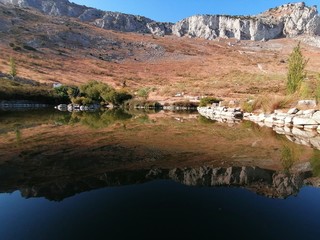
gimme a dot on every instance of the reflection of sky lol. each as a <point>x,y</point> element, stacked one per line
<point>160,208</point>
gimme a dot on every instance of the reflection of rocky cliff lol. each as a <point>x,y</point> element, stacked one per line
<point>262,181</point>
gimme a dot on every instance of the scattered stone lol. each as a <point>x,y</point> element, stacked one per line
<point>307,103</point>
<point>293,111</point>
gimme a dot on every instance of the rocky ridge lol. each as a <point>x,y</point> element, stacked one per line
<point>289,20</point>
<point>103,19</point>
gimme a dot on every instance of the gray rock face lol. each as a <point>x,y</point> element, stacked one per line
<point>132,23</point>
<point>106,20</point>
<point>297,18</point>
<point>213,26</point>
<point>288,20</point>
<point>51,7</point>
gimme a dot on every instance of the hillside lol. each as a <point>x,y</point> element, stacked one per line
<point>68,49</point>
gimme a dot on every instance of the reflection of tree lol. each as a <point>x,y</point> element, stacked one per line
<point>204,120</point>
<point>315,163</point>
<point>18,136</point>
<point>98,120</point>
<point>288,157</point>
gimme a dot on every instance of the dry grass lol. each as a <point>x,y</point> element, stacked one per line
<point>194,66</point>
<point>269,103</point>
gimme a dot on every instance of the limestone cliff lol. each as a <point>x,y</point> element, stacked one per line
<point>288,20</point>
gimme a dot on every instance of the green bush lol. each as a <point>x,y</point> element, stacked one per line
<point>144,92</point>
<point>82,101</point>
<point>101,92</point>
<point>248,106</point>
<point>208,101</point>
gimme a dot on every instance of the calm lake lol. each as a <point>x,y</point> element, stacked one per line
<point>165,175</point>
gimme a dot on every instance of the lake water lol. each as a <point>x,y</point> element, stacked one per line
<point>120,175</point>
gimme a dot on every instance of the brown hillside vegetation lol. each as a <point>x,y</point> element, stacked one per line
<point>49,49</point>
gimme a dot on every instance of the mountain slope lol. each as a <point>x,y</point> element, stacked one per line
<point>102,19</point>
<point>65,49</point>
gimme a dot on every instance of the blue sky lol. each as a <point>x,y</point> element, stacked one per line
<point>175,10</point>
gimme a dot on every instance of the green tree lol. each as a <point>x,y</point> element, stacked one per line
<point>73,92</point>
<point>101,92</point>
<point>296,72</point>
<point>13,68</point>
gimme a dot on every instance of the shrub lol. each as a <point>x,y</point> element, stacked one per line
<point>208,101</point>
<point>185,104</point>
<point>296,73</point>
<point>120,97</point>
<point>82,101</point>
<point>144,92</point>
<point>304,90</point>
<point>248,106</point>
<point>101,92</point>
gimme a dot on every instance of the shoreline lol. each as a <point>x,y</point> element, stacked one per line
<point>21,104</point>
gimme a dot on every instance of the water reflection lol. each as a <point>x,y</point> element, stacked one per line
<point>262,181</point>
<point>56,155</point>
<point>96,120</point>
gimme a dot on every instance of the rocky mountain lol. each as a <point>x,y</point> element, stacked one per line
<point>106,20</point>
<point>289,20</point>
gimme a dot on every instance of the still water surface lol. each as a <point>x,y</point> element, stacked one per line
<point>159,176</point>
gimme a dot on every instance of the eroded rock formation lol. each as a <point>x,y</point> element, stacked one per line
<point>288,20</point>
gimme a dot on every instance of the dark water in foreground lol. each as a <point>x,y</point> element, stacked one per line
<point>162,210</point>
<point>159,189</point>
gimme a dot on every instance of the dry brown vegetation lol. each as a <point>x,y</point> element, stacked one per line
<point>168,64</point>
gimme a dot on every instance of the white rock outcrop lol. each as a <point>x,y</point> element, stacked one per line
<point>213,26</point>
<point>297,18</point>
<point>289,20</point>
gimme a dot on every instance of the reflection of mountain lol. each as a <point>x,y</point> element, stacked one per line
<point>262,181</point>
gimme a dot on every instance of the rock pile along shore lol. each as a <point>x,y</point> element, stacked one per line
<point>221,114</point>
